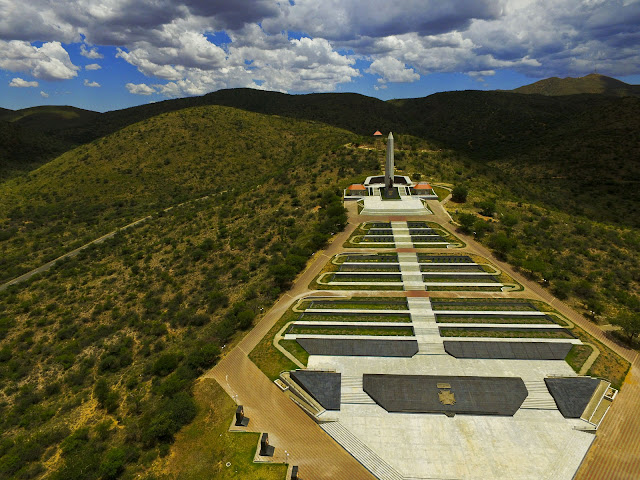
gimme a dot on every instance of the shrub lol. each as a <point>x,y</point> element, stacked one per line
<point>466,222</point>
<point>165,364</point>
<point>459,194</point>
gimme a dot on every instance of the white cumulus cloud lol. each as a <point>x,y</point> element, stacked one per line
<point>49,62</point>
<point>140,89</point>
<point>92,66</point>
<point>44,94</point>
<point>90,53</point>
<point>170,41</point>
<point>392,70</point>
<point>87,83</point>
<point>19,82</point>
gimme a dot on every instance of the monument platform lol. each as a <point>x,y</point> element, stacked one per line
<point>406,205</point>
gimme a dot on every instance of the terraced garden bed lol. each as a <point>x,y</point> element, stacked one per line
<point>354,317</point>
<point>461,278</point>
<point>454,268</point>
<point>351,330</point>
<point>431,258</point>
<point>381,257</point>
<point>481,304</point>
<point>372,267</point>
<point>538,319</point>
<point>389,303</point>
<point>366,278</point>
<point>504,333</point>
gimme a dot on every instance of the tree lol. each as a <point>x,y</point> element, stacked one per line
<point>487,208</point>
<point>459,194</point>
<point>629,322</point>
<point>466,221</point>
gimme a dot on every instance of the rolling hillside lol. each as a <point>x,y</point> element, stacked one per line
<point>593,83</point>
<point>99,355</point>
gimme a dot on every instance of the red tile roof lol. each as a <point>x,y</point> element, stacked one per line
<point>422,186</point>
<point>377,133</point>
<point>356,186</point>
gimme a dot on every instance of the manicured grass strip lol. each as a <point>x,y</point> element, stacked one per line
<point>442,193</point>
<point>370,268</point>
<point>496,333</point>
<point>367,278</point>
<point>335,317</point>
<point>203,448</point>
<point>339,330</point>
<point>481,305</point>
<point>267,357</point>
<point>391,304</point>
<point>454,268</point>
<point>609,365</point>
<point>577,356</point>
<point>293,347</point>
<point>493,319</point>
<point>381,257</point>
<point>437,288</point>
<point>461,278</point>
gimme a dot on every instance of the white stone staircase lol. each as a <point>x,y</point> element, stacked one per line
<point>425,327</point>
<point>539,397</point>
<point>361,452</point>
<point>351,391</point>
<point>401,235</point>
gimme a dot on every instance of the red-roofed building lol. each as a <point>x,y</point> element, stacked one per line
<point>356,190</point>
<point>377,134</point>
<point>423,190</point>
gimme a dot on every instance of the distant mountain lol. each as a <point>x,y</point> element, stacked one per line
<point>32,136</point>
<point>593,83</point>
<point>48,118</point>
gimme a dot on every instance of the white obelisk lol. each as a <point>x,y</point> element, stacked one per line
<point>388,171</point>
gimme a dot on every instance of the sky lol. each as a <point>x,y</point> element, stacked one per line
<point>110,54</point>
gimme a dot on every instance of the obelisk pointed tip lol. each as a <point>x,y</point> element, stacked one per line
<point>390,136</point>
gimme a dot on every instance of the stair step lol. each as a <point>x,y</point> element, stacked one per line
<point>431,348</point>
<point>539,397</point>
<point>361,452</point>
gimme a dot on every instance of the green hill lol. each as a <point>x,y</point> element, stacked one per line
<point>592,83</point>
<point>98,356</point>
<point>32,136</point>
<point>49,118</point>
<point>542,138</point>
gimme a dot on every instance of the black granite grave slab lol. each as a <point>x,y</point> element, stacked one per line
<point>359,347</point>
<point>324,387</point>
<point>572,394</point>
<point>422,393</point>
<point>507,350</point>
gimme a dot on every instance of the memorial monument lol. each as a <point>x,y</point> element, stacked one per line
<point>388,171</point>
<point>266,450</point>
<point>241,420</point>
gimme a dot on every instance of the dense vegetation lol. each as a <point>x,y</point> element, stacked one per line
<point>99,355</point>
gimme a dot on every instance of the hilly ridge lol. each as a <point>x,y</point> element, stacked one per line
<point>566,141</point>
<point>98,356</point>
<point>592,83</point>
